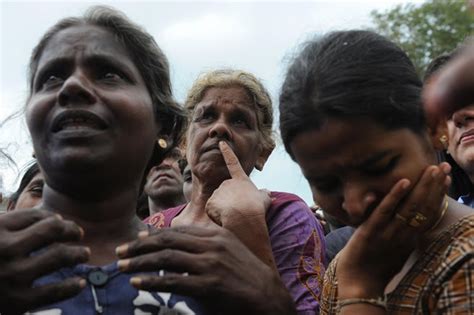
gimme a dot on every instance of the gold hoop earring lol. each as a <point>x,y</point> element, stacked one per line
<point>162,143</point>
<point>444,141</point>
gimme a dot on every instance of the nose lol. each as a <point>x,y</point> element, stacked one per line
<point>220,129</point>
<point>357,200</point>
<point>166,163</point>
<point>76,90</point>
<point>463,116</point>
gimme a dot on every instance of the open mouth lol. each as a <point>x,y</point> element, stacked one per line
<point>77,119</point>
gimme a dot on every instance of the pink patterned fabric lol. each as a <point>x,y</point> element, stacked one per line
<point>298,246</point>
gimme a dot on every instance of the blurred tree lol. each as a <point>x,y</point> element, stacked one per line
<point>425,31</point>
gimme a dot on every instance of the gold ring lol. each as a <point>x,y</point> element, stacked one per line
<point>417,220</point>
<point>401,218</point>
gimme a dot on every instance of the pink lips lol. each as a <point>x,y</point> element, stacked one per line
<point>468,136</point>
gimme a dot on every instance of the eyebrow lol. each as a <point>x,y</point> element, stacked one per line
<point>108,60</point>
<point>37,181</point>
<point>92,60</point>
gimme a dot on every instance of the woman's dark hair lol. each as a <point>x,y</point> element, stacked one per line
<point>347,75</point>
<point>461,183</point>
<point>30,172</point>
<point>146,55</point>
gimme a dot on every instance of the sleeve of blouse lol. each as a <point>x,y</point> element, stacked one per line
<point>298,247</point>
<point>457,294</point>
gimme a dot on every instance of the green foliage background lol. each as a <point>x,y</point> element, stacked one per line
<point>425,31</point>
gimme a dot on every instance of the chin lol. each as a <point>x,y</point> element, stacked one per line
<point>216,171</point>
<point>78,160</point>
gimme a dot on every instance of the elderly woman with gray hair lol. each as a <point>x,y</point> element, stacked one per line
<point>230,134</point>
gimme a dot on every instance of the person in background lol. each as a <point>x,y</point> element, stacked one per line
<point>336,240</point>
<point>30,192</point>
<point>454,133</point>
<point>230,135</point>
<point>187,181</point>
<point>164,183</point>
<point>351,116</point>
<point>336,234</point>
<point>319,214</point>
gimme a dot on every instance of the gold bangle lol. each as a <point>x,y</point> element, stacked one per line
<point>442,214</point>
<point>379,302</point>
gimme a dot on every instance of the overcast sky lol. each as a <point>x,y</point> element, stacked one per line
<point>259,37</point>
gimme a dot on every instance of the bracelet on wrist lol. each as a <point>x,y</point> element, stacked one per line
<point>379,302</point>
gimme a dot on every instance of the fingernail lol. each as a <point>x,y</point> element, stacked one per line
<point>82,283</point>
<point>88,251</point>
<point>58,216</point>
<point>143,234</point>
<point>123,264</point>
<point>135,281</point>
<point>369,198</point>
<point>435,172</point>
<point>121,250</point>
<point>405,184</point>
<point>81,231</point>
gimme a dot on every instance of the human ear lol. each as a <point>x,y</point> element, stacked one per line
<point>439,136</point>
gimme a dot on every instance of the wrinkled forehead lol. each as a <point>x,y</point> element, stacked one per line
<point>83,40</point>
<point>231,99</point>
<point>235,95</point>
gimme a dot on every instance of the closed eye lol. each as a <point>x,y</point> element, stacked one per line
<point>325,185</point>
<point>383,168</point>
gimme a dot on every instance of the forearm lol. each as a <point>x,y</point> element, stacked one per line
<point>365,298</point>
<point>362,308</point>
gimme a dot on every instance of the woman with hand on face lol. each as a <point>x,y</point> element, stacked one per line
<point>230,134</point>
<point>351,117</point>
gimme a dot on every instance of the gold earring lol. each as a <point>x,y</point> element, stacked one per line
<point>444,141</point>
<point>162,143</point>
